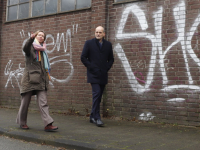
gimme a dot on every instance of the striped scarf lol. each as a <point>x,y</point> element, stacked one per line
<point>42,49</point>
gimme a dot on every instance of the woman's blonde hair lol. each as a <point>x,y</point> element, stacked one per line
<point>36,33</point>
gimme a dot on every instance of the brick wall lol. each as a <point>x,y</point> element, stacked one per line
<point>156,70</point>
<point>1,6</point>
<point>155,76</point>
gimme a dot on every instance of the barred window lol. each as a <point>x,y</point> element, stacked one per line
<point>22,9</point>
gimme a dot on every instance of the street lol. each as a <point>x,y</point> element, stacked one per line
<point>7,143</point>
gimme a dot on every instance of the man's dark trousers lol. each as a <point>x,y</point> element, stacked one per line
<point>97,91</point>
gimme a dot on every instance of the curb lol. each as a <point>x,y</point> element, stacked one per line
<point>36,139</point>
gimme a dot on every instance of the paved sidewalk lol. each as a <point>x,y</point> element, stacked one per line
<point>75,132</point>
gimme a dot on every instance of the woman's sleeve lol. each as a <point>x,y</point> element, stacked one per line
<point>27,46</point>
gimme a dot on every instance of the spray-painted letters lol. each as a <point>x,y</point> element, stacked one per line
<point>184,38</point>
<point>63,38</point>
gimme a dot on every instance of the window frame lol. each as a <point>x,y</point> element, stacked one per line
<point>30,13</point>
<point>18,4</point>
<point>126,1</point>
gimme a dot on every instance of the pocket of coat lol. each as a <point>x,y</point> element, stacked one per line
<point>34,76</point>
<point>94,70</point>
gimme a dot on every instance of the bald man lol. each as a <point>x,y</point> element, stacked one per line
<point>97,56</point>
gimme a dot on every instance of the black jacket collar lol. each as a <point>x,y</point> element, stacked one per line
<point>97,42</point>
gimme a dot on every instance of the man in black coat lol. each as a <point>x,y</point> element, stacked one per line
<point>97,56</point>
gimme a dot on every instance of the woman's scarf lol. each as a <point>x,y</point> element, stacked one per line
<point>42,49</point>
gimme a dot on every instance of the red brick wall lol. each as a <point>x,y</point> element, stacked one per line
<point>156,70</point>
<point>1,7</point>
<point>69,82</point>
<point>155,76</point>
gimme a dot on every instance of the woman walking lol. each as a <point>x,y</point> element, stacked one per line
<point>35,80</point>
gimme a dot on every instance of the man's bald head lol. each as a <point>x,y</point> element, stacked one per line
<point>100,28</point>
<point>99,33</point>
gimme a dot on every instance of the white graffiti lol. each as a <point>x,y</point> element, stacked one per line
<point>63,58</point>
<point>176,100</point>
<point>147,116</point>
<point>13,74</point>
<point>63,38</point>
<point>139,64</point>
<point>24,36</point>
<point>184,38</point>
<point>60,39</point>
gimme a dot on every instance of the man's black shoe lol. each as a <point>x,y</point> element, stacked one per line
<point>92,120</point>
<point>99,123</point>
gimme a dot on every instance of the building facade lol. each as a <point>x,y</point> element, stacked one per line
<point>155,76</point>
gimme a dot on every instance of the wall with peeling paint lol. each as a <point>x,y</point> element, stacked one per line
<point>155,76</point>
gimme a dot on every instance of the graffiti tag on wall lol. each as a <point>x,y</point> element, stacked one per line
<point>63,38</point>
<point>184,38</point>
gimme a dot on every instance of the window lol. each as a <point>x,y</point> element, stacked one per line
<point>120,1</point>
<point>17,9</point>
<point>44,7</point>
<point>21,9</point>
<point>67,5</point>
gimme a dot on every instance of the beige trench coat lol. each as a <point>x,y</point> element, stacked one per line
<point>34,75</point>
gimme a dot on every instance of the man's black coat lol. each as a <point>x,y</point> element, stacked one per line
<point>97,60</point>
